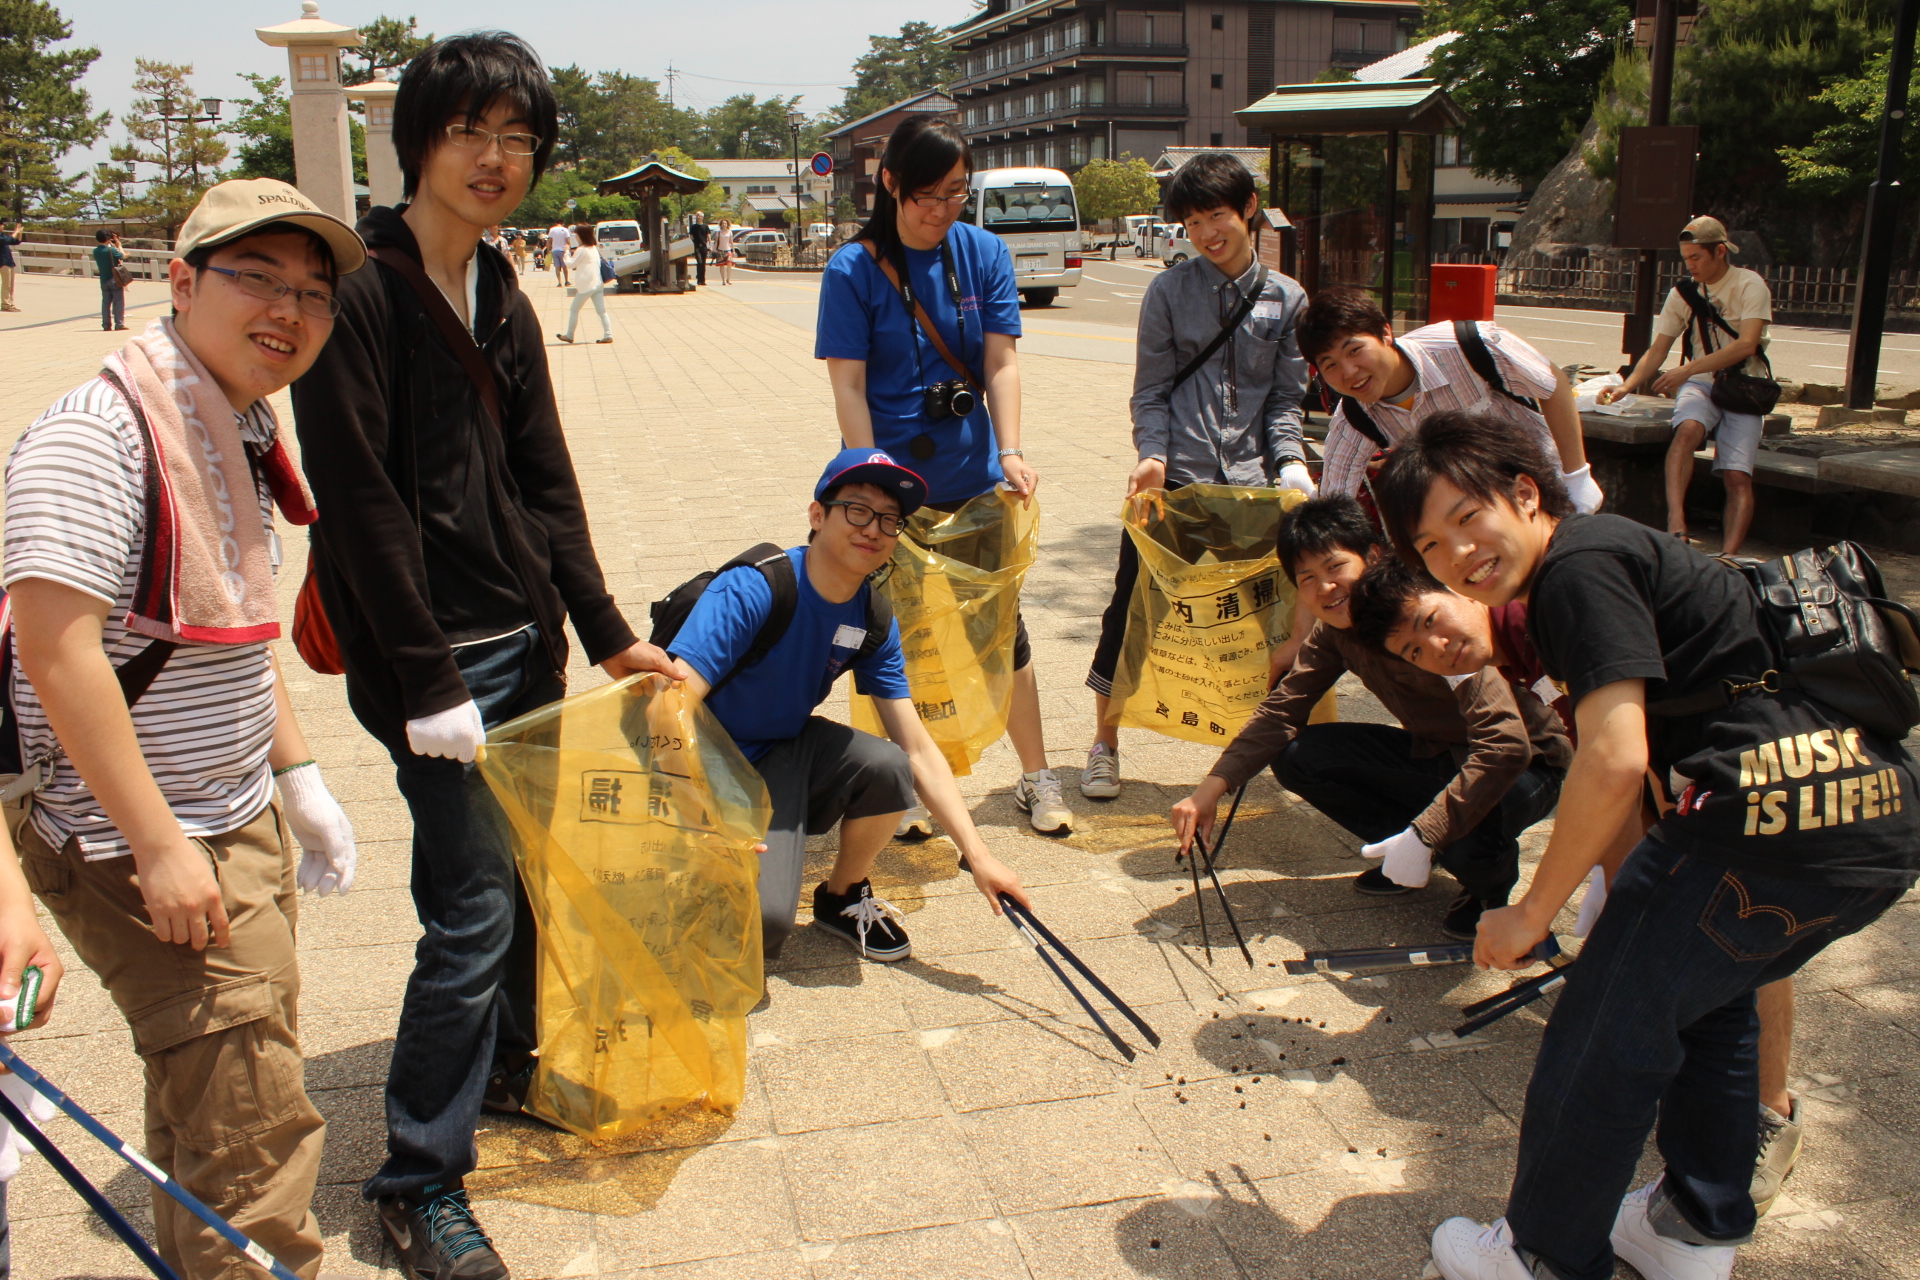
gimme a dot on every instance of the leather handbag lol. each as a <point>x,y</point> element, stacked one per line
<point>1734,391</point>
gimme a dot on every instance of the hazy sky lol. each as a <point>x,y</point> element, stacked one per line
<point>792,46</point>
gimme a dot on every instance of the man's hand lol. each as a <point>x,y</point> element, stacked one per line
<point>1151,473</point>
<point>1021,478</point>
<point>182,895</point>
<point>457,733</point>
<point>1507,937</point>
<point>1295,475</point>
<point>642,657</point>
<point>1609,394</point>
<point>1671,381</point>
<point>328,854</point>
<point>993,877</point>
<point>24,942</point>
<point>1198,812</point>
<point>1405,859</point>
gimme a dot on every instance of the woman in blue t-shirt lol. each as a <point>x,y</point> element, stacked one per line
<point>952,415</point>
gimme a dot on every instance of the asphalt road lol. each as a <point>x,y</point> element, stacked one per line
<point>1096,321</point>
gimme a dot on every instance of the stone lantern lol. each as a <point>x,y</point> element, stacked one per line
<point>383,162</point>
<point>322,143</point>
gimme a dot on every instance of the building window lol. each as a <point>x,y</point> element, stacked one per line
<point>1028,103</point>
<point>726,191</point>
<point>1219,22</point>
<point>1046,41</point>
<point>316,66</point>
<point>380,115</point>
<point>1452,155</point>
<point>1052,160</point>
<point>1074,93</point>
<point>1219,81</point>
<point>1076,151</point>
<point>1214,139</point>
<point>1049,100</point>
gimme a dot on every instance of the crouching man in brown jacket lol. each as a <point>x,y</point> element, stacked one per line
<point>1466,771</point>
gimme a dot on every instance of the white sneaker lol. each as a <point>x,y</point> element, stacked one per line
<point>1465,1250</point>
<point>1657,1258</point>
<point>1101,778</point>
<point>915,824</point>
<point>1039,794</point>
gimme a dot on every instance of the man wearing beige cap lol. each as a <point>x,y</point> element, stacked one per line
<point>152,723</point>
<point>1722,326</point>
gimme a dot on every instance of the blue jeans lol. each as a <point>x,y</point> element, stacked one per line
<point>470,1000</point>
<point>1657,1025</point>
<point>1366,778</point>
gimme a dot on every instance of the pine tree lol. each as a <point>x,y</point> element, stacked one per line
<point>164,130</point>
<point>43,111</point>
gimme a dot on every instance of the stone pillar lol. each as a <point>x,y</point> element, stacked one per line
<point>384,183</point>
<point>322,145</point>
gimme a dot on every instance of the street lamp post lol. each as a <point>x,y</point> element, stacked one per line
<point>1883,207</point>
<point>795,119</point>
<point>213,113</point>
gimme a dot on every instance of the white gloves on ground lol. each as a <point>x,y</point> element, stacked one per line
<point>35,1107</point>
<point>1296,476</point>
<point>1583,489</point>
<point>1405,858</point>
<point>1591,904</point>
<point>455,734</point>
<point>327,854</point>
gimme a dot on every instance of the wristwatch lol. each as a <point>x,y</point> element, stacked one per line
<point>1012,453</point>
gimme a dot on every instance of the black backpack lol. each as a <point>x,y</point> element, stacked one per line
<point>1474,347</point>
<point>1836,636</point>
<point>670,612</point>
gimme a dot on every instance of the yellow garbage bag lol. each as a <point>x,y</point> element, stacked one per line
<point>954,583</point>
<point>633,819</point>
<point>1208,608</point>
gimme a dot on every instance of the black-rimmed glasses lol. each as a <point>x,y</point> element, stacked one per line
<point>860,515</point>
<point>318,303</point>
<point>475,138</point>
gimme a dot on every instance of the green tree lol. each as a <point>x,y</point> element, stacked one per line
<point>745,127</point>
<point>546,204</point>
<point>609,119</point>
<point>386,44</point>
<point>896,67</point>
<point>1114,188</point>
<point>164,130</point>
<point>1843,156</point>
<point>1621,102</point>
<point>43,111</point>
<point>1525,72</point>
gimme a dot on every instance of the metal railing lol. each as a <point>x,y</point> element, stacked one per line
<point>813,254</point>
<point>1085,47</point>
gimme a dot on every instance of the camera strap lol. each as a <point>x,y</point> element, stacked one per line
<point>898,281</point>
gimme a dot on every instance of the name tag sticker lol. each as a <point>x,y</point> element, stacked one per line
<point>849,637</point>
<point>1544,689</point>
<point>1270,309</point>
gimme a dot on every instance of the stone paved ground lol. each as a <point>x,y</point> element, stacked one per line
<point>954,1116</point>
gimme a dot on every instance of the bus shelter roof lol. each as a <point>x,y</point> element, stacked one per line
<point>1353,107</point>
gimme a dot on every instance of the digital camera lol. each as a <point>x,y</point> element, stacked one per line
<point>951,399</point>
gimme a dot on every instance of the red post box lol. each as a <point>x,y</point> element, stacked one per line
<point>1461,291</point>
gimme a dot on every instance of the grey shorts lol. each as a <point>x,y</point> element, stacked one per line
<point>828,772</point>
<point>1735,436</point>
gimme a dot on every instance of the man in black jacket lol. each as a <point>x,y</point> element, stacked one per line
<point>697,231</point>
<point>460,551</point>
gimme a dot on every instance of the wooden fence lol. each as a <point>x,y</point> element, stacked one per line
<point>1607,279</point>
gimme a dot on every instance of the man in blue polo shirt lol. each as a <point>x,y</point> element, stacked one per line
<point>819,772</point>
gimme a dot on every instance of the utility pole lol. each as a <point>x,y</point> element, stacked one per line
<point>795,119</point>
<point>1883,207</point>
<point>1637,332</point>
<point>672,75</point>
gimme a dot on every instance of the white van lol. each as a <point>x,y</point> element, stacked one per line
<point>1035,212</point>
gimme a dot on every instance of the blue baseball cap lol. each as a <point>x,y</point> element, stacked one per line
<point>877,468</point>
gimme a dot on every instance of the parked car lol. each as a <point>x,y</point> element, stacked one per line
<point>1037,214</point>
<point>1149,237</point>
<point>743,242</point>
<point>1175,248</point>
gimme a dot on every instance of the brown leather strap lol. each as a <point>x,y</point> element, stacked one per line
<point>926,321</point>
<point>136,675</point>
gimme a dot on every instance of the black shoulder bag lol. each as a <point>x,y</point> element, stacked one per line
<point>1734,391</point>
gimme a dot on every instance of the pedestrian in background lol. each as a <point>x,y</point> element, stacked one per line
<point>697,231</point>
<point>558,245</point>
<point>584,265</point>
<point>107,258</point>
<point>8,239</point>
<point>723,250</point>
<point>897,382</point>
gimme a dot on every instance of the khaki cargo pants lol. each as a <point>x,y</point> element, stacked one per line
<point>227,1109</point>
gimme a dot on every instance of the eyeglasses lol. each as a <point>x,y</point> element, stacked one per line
<point>859,515</point>
<point>935,202</point>
<point>475,139</point>
<point>318,303</point>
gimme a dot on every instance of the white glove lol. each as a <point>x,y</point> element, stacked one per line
<point>1581,487</point>
<point>455,734</point>
<point>1296,476</point>
<point>327,853</point>
<point>1406,860</point>
<point>1591,904</point>
<point>32,1104</point>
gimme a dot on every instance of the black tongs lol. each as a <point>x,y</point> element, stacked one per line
<point>1042,938</point>
<point>1211,858</point>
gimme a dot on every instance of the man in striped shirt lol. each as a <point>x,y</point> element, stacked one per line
<point>1398,384</point>
<point>154,840</point>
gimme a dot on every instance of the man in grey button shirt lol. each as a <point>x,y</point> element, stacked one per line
<point>1232,418</point>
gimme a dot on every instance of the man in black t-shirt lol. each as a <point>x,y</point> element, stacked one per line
<point>1784,826</point>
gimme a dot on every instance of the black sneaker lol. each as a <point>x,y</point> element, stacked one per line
<point>506,1093</point>
<point>438,1239</point>
<point>1462,920</point>
<point>1374,883</point>
<point>862,921</point>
